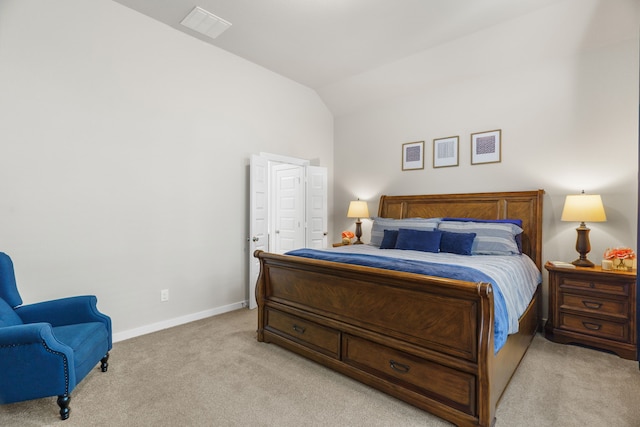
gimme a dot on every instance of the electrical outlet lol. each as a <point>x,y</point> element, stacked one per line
<point>164,295</point>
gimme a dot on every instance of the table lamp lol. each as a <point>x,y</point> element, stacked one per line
<point>582,208</point>
<point>358,209</point>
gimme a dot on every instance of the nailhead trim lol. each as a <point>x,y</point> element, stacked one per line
<point>57,353</point>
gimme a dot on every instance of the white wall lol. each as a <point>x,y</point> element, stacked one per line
<point>561,83</point>
<point>124,150</point>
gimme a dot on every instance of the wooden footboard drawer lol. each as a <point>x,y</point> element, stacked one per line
<point>441,383</point>
<point>319,338</point>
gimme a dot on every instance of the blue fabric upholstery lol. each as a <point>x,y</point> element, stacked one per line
<point>8,316</point>
<point>88,342</point>
<point>8,287</point>
<point>47,348</point>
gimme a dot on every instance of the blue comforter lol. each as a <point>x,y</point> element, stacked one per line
<point>458,272</point>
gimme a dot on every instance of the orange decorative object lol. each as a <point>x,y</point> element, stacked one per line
<point>619,253</point>
<point>622,258</point>
<point>348,234</point>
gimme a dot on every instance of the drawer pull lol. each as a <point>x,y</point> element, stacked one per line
<point>592,305</point>
<point>399,367</point>
<point>298,329</point>
<point>592,326</point>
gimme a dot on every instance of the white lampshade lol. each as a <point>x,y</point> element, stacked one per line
<point>583,208</point>
<point>358,209</point>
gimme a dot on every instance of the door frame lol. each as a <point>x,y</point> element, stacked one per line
<point>265,242</point>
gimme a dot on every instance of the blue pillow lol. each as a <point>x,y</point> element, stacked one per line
<point>457,243</point>
<point>389,239</point>
<point>418,240</point>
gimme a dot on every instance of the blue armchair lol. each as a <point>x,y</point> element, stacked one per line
<point>47,348</point>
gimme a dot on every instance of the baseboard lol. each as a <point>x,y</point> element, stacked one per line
<point>169,323</point>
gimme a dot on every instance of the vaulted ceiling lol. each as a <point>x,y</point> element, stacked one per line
<point>321,42</point>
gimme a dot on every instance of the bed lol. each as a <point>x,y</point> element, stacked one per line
<point>424,339</point>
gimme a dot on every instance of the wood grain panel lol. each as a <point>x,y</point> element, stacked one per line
<point>432,317</point>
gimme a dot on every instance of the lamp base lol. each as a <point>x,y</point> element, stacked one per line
<point>583,246</point>
<point>583,263</point>
<point>358,232</point>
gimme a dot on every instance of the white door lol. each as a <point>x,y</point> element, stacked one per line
<point>288,208</point>
<point>287,197</point>
<point>258,219</point>
<point>316,212</point>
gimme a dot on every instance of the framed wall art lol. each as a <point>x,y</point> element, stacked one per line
<point>486,147</point>
<point>445,152</point>
<point>413,155</point>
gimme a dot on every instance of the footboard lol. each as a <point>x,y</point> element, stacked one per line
<point>425,340</point>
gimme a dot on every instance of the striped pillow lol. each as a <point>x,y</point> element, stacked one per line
<point>492,238</point>
<point>381,224</point>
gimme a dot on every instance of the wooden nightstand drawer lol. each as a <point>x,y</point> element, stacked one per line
<point>612,288</point>
<point>434,380</point>
<point>593,305</point>
<point>317,337</point>
<point>595,327</point>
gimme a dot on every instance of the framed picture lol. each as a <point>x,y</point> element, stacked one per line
<point>413,155</point>
<point>445,152</point>
<point>486,147</point>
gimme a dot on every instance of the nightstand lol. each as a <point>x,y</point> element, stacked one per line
<point>593,307</point>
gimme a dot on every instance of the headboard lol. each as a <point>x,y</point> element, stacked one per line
<point>524,205</point>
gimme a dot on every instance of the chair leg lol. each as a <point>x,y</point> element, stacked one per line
<point>65,399</point>
<point>103,362</point>
<point>63,403</point>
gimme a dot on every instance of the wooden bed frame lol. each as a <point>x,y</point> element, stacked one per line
<point>423,339</point>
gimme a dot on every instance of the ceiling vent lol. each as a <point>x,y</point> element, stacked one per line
<point>205,22</point>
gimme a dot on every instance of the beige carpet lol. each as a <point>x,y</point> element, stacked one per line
<point>214,373</point>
